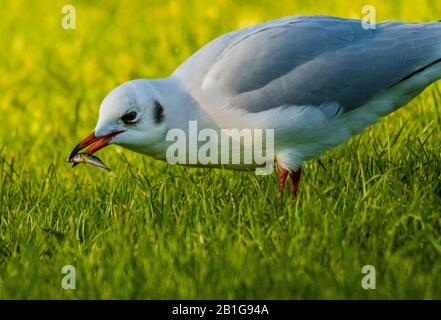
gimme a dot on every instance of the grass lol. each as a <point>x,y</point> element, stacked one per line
<point>151,230</point>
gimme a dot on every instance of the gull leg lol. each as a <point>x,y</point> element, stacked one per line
<point>295,181</point>
<point>283,175</point>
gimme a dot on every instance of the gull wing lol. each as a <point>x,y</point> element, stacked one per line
<point>308,61</point>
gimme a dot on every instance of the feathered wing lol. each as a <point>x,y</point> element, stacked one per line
<point>308,61</point>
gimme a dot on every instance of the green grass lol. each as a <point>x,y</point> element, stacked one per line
<point>151,230</point>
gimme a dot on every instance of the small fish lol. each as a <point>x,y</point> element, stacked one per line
<point>87,158</point>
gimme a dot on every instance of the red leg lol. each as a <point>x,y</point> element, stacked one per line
<point>295,181</point>
<point>283,174</point>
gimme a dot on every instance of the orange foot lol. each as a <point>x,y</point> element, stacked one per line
<point>295,180</point>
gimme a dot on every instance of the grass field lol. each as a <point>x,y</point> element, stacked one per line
<point>151,230</point>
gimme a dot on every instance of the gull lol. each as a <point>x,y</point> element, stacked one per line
<point>315,80</point>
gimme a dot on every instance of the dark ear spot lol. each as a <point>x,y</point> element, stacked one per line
<point>158,113</point>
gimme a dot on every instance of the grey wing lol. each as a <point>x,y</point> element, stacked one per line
<point>311,61</point>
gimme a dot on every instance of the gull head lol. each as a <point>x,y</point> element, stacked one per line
<point>131,116</point>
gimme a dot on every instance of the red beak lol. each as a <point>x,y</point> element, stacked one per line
<point>93,142</point>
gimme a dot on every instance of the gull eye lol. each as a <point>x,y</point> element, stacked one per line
<point>129,117</point>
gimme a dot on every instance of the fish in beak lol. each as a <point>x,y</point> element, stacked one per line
<point>87,158</point>
<point>93,142</point>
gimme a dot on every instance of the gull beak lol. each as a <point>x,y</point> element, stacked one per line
<point>93,142</point>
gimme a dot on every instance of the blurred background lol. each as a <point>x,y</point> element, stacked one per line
<point>52,80</point>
